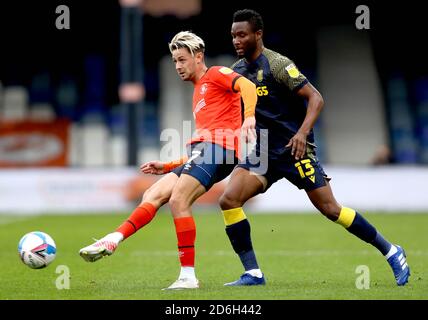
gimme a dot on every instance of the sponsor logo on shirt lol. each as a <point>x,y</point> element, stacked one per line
<point>199,106</point>
<point>225,70</point>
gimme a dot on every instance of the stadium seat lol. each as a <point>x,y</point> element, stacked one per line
<point>117,147</point>
<point>402,123</point>
<point>40,90</point>
<point>75,141</point>
<point>94,144</point>
<point>421,97</point>
<point>42,111</point>
<point>67,97</point>
<point>15,103</point>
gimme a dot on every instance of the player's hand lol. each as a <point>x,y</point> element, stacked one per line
<point>248,129</point>
<point>298,145</point>
<point>152,167</point>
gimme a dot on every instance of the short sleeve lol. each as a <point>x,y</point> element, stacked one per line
<point>225,77</point>
<point>285,71</point>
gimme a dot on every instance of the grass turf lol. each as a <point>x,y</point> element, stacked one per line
<point>303,256</point>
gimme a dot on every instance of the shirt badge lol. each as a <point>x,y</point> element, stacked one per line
<point>292,70</point>
<point>203,89</point>
<point>260,75</point>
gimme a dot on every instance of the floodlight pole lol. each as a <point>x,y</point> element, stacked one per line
<point>131,89</point>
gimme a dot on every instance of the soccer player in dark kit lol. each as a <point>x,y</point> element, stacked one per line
<point>287,108</point>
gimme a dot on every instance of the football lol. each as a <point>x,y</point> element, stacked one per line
<point>37,249</point>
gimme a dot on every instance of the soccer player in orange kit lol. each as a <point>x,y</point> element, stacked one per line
<point>212,154</point>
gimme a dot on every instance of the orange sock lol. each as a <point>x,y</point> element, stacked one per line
<point>186,235</point>
<point>141,216</point>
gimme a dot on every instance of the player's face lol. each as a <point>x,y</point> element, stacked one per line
<point>243,38</point>
<point>185,64</point>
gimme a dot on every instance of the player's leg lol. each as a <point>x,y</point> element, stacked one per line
<point>323,199</point>
<point>185,192</point>
<point>153,198</point>
<point>209,164</point>
<point>240,188</point>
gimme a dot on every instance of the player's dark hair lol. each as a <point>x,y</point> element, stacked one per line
<point>252,17</point>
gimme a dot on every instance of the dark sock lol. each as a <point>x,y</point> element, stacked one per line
<point>361,228</point>
<point>240,237</point>
<point>381,244</point>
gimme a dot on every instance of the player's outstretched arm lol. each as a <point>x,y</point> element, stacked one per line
<point>159,167</point>
<point>153,167</point>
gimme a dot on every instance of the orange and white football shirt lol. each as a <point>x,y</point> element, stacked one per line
<point>217,109</point>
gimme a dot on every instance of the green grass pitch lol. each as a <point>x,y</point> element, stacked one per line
<point>303,256</point>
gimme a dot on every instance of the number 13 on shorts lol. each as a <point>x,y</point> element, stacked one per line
<point>305,169</point>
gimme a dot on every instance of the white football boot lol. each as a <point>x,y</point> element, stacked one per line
<point>103,247</point>
<point>184,283</point>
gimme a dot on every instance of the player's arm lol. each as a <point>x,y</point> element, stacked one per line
<point>249,97</point>
<point>159,167</point>
<point>314,107</point>
<point>289,75</point>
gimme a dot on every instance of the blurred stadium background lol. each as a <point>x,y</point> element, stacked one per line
<point>81,108</point>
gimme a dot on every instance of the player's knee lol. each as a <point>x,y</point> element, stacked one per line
<point>330,209</point>
<point>227,202</point>
<point>155,196</point>
<point>178,203</point>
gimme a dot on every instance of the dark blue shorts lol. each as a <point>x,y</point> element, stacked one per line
<point>306,173</point>
<point>208,163</point>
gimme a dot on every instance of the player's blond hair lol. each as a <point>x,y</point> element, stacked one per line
<point>188,40</point>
